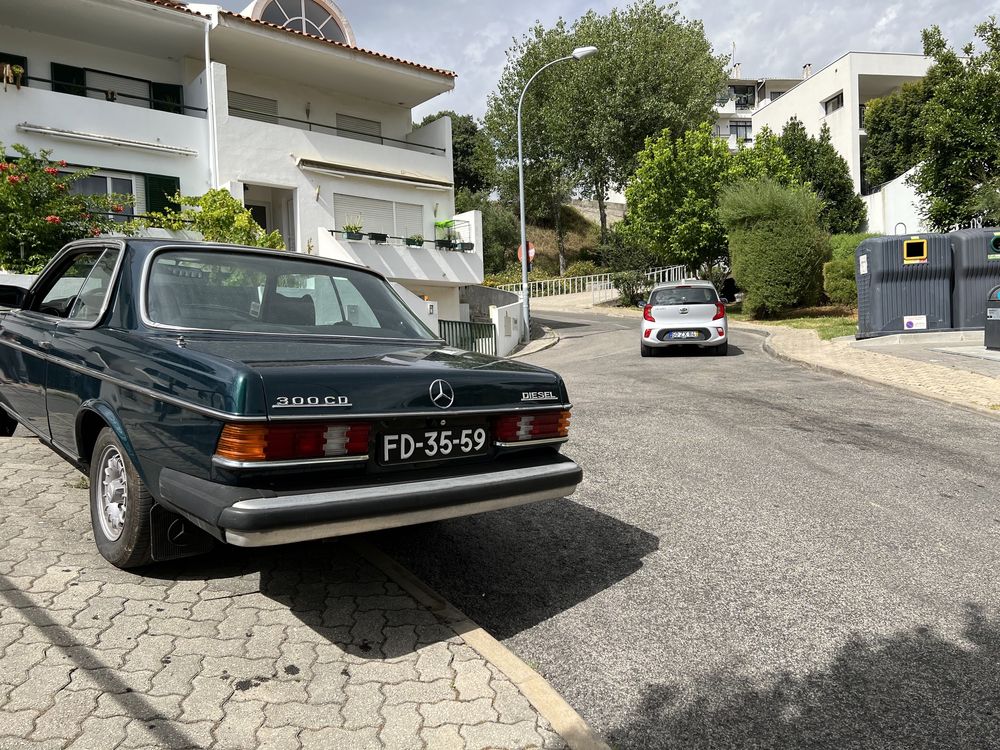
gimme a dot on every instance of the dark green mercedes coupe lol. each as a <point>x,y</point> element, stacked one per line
<point>260,397</point>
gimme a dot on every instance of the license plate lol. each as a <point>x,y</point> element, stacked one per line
<point>434,445</point>
<point>684,335</point>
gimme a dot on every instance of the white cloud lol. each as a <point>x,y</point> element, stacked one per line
<point>773,37</point>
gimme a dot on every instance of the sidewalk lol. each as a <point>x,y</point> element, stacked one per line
<point>325,645</point>
<point>959,380</point>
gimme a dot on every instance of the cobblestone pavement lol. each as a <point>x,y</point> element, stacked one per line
<point>299,647</point>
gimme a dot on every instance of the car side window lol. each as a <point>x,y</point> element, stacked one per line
<point>64,295</point>
<point>90,300</point>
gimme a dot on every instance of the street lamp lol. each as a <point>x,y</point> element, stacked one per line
<point>578,54</point>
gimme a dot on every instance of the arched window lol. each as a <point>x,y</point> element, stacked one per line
<point>308,16</point>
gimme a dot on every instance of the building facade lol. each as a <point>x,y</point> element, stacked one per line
<point>740,100</point>
<point>276,104</point>
<point>836,96</point>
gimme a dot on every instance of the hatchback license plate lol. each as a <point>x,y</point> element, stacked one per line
<point>434,445</point>
<point>684,335</point>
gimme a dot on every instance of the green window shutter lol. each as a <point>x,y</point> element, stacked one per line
<point>160,191</point>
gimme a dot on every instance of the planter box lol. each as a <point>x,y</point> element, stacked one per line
<point>414,243</point>
<point>444,244</point>
<point>465,247</point>
<point>377,238</point>
<point>354,236</point>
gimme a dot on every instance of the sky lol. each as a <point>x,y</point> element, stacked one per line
<point>773,38</point>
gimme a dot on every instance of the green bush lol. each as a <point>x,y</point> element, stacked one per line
<point>583,268</point>
<point>633,287</point>
<point>777,247</point>
<point>844,245</point>
<point>512,275</point>
<point>838,282</point>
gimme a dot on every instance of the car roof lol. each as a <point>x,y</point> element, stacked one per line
<point>701,283</point>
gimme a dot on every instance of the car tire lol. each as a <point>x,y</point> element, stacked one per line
<point>119,505</point>
<point>646,351</point>
<point>721,350</point>
<point>7,424</point>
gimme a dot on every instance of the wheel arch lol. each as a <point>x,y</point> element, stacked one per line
<point>93,417</point>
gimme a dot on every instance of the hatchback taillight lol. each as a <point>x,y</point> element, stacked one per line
<point>720,311</point>
<point>647,314</point>
<point>517,428</point>
<point>289,442</point>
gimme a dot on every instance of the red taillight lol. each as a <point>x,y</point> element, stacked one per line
<point>647,314</point>
<point>519,428</point>
<point>289,442</point>
<point>722,331</point>
<point>648,333</point>
<point>720,311</point>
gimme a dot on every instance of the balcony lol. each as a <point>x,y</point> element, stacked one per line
<point>127,123</point>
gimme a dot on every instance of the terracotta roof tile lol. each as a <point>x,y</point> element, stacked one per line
<point>372,53</point>
<point>175,6</point>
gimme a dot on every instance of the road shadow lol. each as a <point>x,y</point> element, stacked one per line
<point>561,324</point>
<point>681,351</point>
<point>914,689</point>
<point>513,569</point>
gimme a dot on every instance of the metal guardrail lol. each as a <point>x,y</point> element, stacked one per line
<point>597,284</point>
<point>473,337</point>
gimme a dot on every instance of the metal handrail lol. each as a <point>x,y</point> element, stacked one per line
<point>377,237</point>
<point>111,95</point>
<point>310,124</point>
<point>594,282</point>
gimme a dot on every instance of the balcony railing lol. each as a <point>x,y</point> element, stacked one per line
<point>116,95</point>
<point>320,127</point>
<point>473,337</point>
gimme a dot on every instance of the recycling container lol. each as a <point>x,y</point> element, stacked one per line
<point>976,260</point>
<point>904,284</point>
<point>992,319</point>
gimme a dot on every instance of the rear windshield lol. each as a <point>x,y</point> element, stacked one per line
<point>690,295</point>
<point>230,291</point>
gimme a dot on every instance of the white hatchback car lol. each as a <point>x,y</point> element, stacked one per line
<point>684,312</point>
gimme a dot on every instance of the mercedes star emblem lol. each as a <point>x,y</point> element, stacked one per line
<point>442,394</point>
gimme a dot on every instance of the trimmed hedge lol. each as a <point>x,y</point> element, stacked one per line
<point>839,283</point>
<point>777,246</point>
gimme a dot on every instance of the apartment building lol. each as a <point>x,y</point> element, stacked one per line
<point>836,96</point>
<point>278,104</point>
<point>739,101</point>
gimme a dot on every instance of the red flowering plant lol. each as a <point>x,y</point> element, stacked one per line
<point>40,212</point>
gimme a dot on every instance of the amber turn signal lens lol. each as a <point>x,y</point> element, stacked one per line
<point>243,442</point>
<point>291,442</point>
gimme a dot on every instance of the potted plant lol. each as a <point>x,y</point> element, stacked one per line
<point>11,74</point>
<point>18,72</point>
<point>415,240</point>
<point>352,229</point>
<point>465,247</point>
<point>444,244</point>
<point>378,238</point>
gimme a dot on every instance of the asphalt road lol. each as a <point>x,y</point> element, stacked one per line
<point>760,556</point>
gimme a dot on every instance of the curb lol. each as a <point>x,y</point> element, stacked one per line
<point>550,339</point>
<point>826,369</point>
<point>565,721</point>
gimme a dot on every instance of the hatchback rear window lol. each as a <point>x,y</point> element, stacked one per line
<point>232,291</point>
<point>694,295</point>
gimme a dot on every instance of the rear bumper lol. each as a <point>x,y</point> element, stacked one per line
<point>249,517</point>
<point>710,334</point>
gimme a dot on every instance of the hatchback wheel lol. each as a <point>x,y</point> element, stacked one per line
<point>646,351</point>
<point>119,505</point>
<point>721,350</point>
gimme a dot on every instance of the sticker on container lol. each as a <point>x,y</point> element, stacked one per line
<point>863,262</point>
<point>915,322</point>
<point>993,313</point>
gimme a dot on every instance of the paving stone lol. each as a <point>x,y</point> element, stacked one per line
<point>510,704</point>
<point>64,718</point>
<point>17,723</point>
<point>401,730</point>
<point>138,706</point>
<point>362,706</point>
<point>434,662</point>
<point>458,712</point>
<point>327,685</point>
<point>278,738</point>
<point>302,715</point>
<point>472,680</point>
<point>419,692</point>
<point>384,672</point>
<point>143,733</point>
<point>482,736</point>
<point>205,701</point>
<point>101,734</point>
<point>327,739</point>
<point>443,738</point>
<point>238,728</point>
<point>175,675</point>
<point>37,691</point>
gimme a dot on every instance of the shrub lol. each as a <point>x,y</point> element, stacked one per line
<point>777,247</point>
<point>512,275</point>
<point>632,286</point>
<point>39,212</point>
<point>218,216</point>
<point>844,245</point>
<point>583,268</point>
<point>839,283</point>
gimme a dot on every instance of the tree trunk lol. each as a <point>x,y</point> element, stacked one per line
<point>602,207</point>
<point>560,240</point>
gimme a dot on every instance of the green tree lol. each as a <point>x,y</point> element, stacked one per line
<point>778,247</point>
<point>817,164</point>
<point>501,230</point>
<point>471,152</point>
<point>896,141</point>
<point>765,158</point>
<point>39,212</point>
<point>961,123</point>
<point>218,217</point>
<point>655,71</point>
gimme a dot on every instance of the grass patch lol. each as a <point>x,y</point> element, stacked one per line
<point>829,321</point>
<point>82,483</point>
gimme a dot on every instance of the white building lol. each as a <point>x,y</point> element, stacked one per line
<point>836,96</point>
<point>740,100</point>
<point>283,109</point>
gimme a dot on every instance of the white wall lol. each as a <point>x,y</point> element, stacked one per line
<point>897,202</point>
<point>507,320</point>
<point>426,311</point>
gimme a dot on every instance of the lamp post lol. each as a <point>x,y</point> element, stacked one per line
<point>578,54</point>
